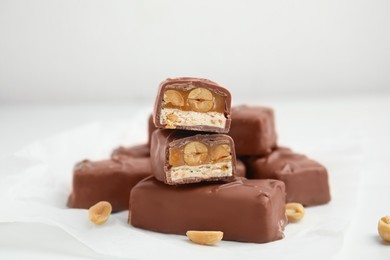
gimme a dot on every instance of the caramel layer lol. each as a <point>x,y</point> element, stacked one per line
<point>200,153</point>
<point>184,103</point>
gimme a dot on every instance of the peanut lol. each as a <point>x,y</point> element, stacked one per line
<point>221,153</point>
<point>195,153</point>
<point>384,228</point>
<point>294,212</point>
<point>205,237</point>
<point>174,97</point>
<point>100,212</point>
<point>200,100</point>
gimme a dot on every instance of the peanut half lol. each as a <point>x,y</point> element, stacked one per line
<point>100,212</point>
<point>174,97</point>
<point>200,100</point>
<point>205,237</point>
<point>294,212</point>
<point>221,153</point>
<point>195,153</point>
<point>384,228</point>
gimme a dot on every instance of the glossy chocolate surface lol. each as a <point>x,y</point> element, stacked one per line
<point>240,169</point>
<point>151,128</point>
<point>253,130</point>
<point>306,180</point>
<point>245,210</point>
<point>164,139</point>
<point>186,83</point>
<point>107,180</point>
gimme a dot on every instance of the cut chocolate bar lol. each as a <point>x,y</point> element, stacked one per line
<point>107,180</point>
<point>180,157</point>
<point>253,130</point>
<point>244,210</point>
<point>306,180</point>
<point>136,151</point>
<point>192,104</point>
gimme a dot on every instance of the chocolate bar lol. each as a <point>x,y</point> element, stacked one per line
<point>253,130</point>
<point>136,151</point>
<point>306,180</point>
<point>180,157</point>
<point>192,104</point>
<point>240,169</point>
<point>107,180</point>
<point>245,210</point>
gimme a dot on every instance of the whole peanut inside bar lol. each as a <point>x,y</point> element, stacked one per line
<point>200,159</point>
<point>187,105</point>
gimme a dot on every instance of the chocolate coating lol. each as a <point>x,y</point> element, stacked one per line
<point>253,130</point>
<point>136,151</point>
<point>151,128</point>
<point>245,210</point>
<point>193,83</point>
<point>240,169</point>
<point>306,180</point>
<point>164,139</point>
<point>107,180</point>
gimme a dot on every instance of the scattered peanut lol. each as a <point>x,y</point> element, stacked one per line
<point>384,228</point>
<point>100,212</point>
<point>174,97</point>
<point>205,237</point>
<point>294,212</point>
<point>195,153</point>
<point>220,153</point>
<point>200,100</point>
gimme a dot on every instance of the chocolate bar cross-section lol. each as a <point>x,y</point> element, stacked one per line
<point>180,157</point>
<point>192,104</point>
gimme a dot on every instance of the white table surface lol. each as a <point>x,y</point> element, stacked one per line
<point>364,120</point>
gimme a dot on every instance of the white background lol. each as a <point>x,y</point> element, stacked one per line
<point>120,50</point>
<point>324,66</point>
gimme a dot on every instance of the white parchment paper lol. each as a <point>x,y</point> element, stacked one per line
<point>36,181</point>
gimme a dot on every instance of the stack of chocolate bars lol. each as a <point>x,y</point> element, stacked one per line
<point>206,167</point>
